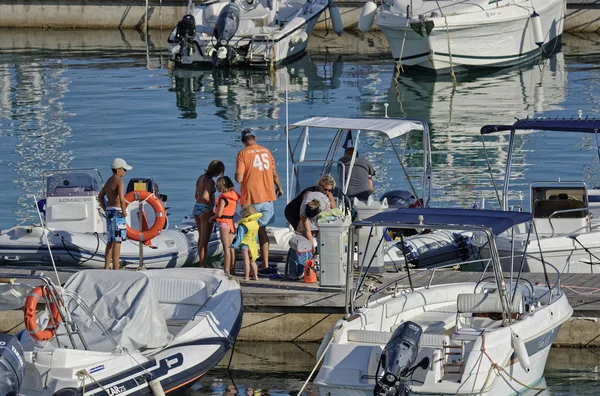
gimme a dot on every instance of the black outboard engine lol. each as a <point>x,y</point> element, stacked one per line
<point>186,28</point>
<point>396,360</point>
<point>226,27</point>
<point>11,365</point>
<point>185,34</point>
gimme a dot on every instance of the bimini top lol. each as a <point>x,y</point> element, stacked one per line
<point>583,125</point>
<point>392,127</point>
<point>496,220</point>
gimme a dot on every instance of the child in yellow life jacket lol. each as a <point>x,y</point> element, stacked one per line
<point>247,240</point>
<point>225,209</point>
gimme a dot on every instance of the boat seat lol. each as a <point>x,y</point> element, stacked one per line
<point>180,299</point>
<point>432,321</point>
<point>382,338</point>
<point>486,303</point>
<point>545,207</point>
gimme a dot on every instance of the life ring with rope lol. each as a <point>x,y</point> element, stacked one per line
<point>160,217</point>
<point>30,317</point>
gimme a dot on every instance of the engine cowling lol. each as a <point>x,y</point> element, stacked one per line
<point>11,365</point>
<point>226,27</point>
<point>397,358</point>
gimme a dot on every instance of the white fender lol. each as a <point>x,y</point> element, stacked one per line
<point>536,23</point>
<point>336,18</point>
<point>519,347</point>
<point>298,38</point>
<point>367,15</point>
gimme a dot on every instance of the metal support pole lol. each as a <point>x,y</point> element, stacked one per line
<point>140,223</point>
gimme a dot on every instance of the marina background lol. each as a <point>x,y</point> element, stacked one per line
<point>79,98</point>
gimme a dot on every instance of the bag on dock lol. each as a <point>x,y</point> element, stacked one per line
<point>300,252</point>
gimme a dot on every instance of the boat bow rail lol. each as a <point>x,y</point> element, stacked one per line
<point>486,222</point>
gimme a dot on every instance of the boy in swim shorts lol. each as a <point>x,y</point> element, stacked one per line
<point>116,213</point>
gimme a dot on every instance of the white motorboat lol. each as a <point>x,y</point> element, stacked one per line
<point>446,36</point>
<point>307,165</point>
<point>565,213</point>
<point>122,332</point>
<point>259,33</point>
<point>74,228</point>
<point>490,337</point>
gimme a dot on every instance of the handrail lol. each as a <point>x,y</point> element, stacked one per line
<point>423,270</point>
<point>70,326</point>
<point>564,211</point>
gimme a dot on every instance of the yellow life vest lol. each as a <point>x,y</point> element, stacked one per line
<point>251,234</point>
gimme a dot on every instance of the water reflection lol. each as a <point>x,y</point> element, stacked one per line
<point>262,368</point>
<point>249,94</point>
<point>456,113</point>
<point>33,119</point>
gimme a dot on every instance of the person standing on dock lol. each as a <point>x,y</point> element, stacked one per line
<point>255,171</point>
<point>115,209</point>
<point>205,203</point>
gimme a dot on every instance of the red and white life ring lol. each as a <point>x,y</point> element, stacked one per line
<point>160,216</point>
<point>30,310</point>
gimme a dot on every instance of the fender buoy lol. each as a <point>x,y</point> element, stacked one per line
<point>160,216</point>
<point>31,320</point>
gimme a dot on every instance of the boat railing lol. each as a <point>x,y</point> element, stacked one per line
<point>56,295</point>
<point>557,212</point>
<point>394,283</point>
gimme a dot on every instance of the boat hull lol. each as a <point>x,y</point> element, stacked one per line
<point>26,245</point>
<point>261,49</point>
<point>498,38</point>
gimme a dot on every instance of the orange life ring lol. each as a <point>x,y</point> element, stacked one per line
<point>160,216</point>
<point>31,320</point>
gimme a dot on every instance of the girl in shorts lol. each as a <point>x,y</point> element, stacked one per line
<point>247,240</point>
<point>225,209</point>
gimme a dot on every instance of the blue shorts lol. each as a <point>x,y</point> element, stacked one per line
<point>268,213</point>
<point>200,208</point>
<point>116,226</point>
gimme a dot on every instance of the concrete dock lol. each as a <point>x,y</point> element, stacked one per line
<point>581,15</point>
<point>277,310</point>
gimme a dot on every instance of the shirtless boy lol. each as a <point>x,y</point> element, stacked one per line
<point>116,213</point>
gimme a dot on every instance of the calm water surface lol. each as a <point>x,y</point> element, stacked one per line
<point>282,369</point>
<point>78,99</point>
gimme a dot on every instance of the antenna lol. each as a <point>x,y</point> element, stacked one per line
<point>287,151</point>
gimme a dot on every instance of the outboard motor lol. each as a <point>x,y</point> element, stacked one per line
<point>11,365</point>
<point>397,358</point>
<point>226,27</point>
<point>185,34</point>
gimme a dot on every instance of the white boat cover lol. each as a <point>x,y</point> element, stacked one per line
<point>124,302</point>
<point>392,127</point>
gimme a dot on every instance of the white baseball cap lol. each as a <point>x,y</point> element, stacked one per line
<point>119,163</point>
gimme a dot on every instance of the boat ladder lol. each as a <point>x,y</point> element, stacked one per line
<point>453,357</point>
<point>262,57</point>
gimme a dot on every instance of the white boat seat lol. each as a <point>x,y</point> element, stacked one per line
<point>432,321</point>
<point>180,299</point>
<point>486,303</point>
<point>382,338</point>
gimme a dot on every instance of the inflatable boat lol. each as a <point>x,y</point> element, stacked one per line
<point>74,231</point>
<point>121,332</point>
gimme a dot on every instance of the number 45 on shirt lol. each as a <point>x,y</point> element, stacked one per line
<point>261,161</point>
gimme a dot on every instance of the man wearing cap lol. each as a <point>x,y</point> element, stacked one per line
<point>255,170</point>
<point>116,212</point>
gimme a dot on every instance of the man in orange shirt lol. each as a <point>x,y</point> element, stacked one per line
<point>255,170</point>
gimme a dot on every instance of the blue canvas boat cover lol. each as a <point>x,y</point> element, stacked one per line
<point>496,220</point>
<point>584,125</point>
